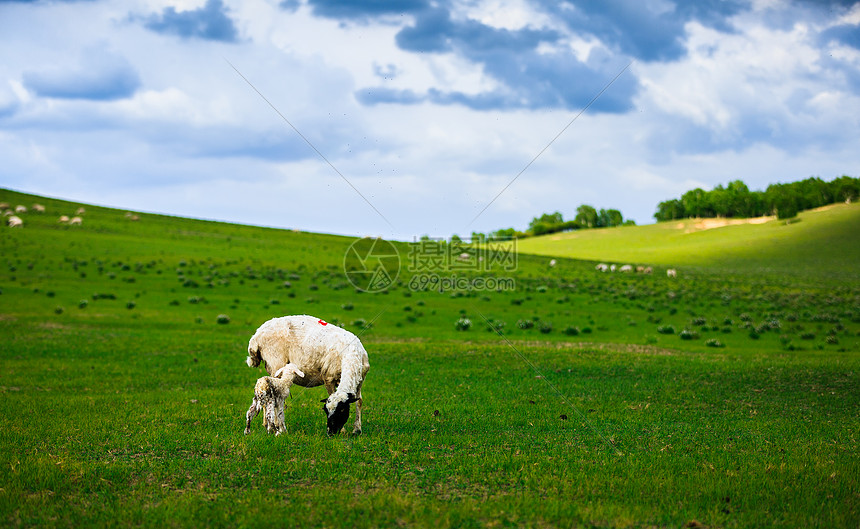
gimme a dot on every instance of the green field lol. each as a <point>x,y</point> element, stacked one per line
<point>820,243</point>
<point>728,397</point>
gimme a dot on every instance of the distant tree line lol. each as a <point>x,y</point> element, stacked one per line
<point>586,217</point>
<point>782,200</point>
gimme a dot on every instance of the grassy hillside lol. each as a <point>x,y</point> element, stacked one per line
<point>608,400</point>
<point>822,244</point>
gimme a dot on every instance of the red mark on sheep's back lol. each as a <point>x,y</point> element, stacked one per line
<point>323,322</point>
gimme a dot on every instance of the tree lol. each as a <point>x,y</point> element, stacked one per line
<point>608,218</point>
<point>547,219</point>
<point>586,216</point>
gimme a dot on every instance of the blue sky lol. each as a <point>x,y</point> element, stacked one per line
<point>428,108</point>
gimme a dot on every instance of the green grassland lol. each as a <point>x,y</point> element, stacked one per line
<point>817,244</point>
<point>123,397</point>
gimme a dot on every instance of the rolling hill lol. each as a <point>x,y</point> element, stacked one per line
<point>819,243</point>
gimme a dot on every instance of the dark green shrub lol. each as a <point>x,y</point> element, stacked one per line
<point>713,342</point>
<point>666,329</point>
<point>525,324</point>
<point>463,324</point>
<point>347,306</point>
<point>571,330</point>
<point>545,327</point>
<point>688,334</point>
<point>223,319</point>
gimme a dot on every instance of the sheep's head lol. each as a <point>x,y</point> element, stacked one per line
<point>336,408</point>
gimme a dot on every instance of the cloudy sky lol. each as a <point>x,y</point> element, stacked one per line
<point>408,117</point>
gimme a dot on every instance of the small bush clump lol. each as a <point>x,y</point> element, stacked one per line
<point>223,319</point>
<point>571,330</point>
<point>688,334</point>
<point>525,324</point>
<point>713,342</point>
<point>545,327</point>
<point>666,329</point>
<point>463,324</point>
<point>347,306</point>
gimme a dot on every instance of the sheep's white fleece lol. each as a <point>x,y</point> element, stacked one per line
<point>325,353</point>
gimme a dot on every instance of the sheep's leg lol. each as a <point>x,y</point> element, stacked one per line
<point>356,428</point>
<point>252,412</point>
<point>281,428</point>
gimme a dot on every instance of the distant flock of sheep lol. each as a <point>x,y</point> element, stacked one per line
<point>14,221</point>
<point>603,267</point>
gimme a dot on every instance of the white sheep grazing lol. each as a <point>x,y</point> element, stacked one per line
<point>15,222</point>
<point>63,219</point>
<point>603,267</point>
<point>671,273</point>
<point>626,268</point>
<point>75,221</point>
<point>552,263</point>
<point>38,208</point>
<point>80,211</point>
<point>647,270</point>
<point>325,353</point>
<point>20,209</point>
<point>269,396</point>
<point>611,268</point>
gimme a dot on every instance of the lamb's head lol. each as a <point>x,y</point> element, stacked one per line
<point>336,408</point>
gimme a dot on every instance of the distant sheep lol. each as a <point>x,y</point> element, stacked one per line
<point>20,209</point>
<point>612,268</point>
<point>602,267</point>
<point>552,263</point>
<point>647,270</point>
<point>63,219</point>
<point>15,222</point>
<point>671,273</point>
<point>324,353</point>
<point>80,211</point>
<point>626,268</point>
<point>463,256</point>
<point>38,208</point>
<point>4,205</point>
<point>75,221</point>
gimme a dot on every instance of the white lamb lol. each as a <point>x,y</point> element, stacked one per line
<point>15,222</point>
<point>552,263</point>
<point>76,221</point>
<point>603,267</point>
<point>269,396</point>
<point>671,273</point>
<point>626,268</point>
<point>325,355</point>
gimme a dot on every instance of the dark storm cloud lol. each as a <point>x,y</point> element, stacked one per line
<point>210,22</point>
